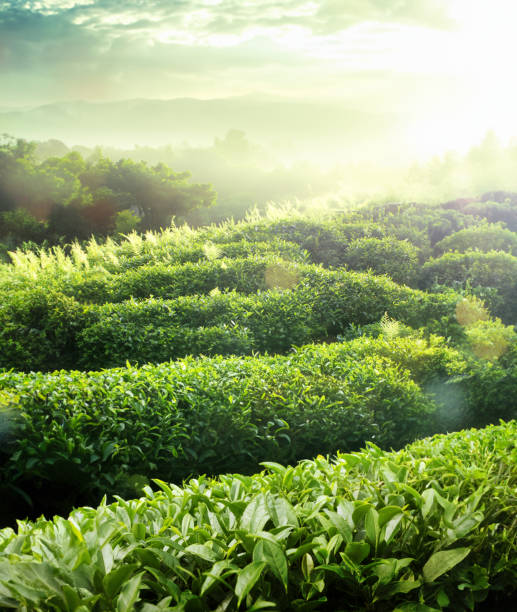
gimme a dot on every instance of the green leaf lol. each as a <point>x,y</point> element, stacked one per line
<point>247,578</point>
<point>113,581</point>
<point>307,566</point>
<point>129,594</point>
<point>428,496</point>
<point>213,576</point>
<point>442,562</point>
<point>371,525</point>
<point>387,513</point>
<point>357,551</point>
<point>442,599</point>
<point>402,586</point>
<point>271,553</point>
<point>202,551</point>
<point>281,511</point>
<point>340,524</point>
<point>414,607</point>
<point>255,515</point>
<point>262,604</point>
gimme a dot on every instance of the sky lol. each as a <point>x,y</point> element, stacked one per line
<point>447,64</point>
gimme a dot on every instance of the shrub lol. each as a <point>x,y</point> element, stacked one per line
<point>323,304</point>
<point>171,281</point>
<point>494,270</point>
<point>430,527</point>
<point>486,237</point>
<point>82,434</point>
<point>38,329</point>
<point>396,258</point>
<point>495,212</point>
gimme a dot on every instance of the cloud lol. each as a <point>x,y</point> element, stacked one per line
<point>120,48</point>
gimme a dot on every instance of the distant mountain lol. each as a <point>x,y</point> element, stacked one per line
<point>298,127</point>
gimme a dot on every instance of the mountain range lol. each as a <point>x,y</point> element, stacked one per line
<point>292,128</point>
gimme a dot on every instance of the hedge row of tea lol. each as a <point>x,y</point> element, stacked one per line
<point>70,437</point>
<point>431,527</point>
<point>391,239</point>
<point>45,330</point>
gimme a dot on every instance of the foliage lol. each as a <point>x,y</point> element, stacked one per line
<point>244,275</point>
<point>490,339</point>
<point>322,304</point>
<point>495,212</point>
<point>396,258</point>
<point>495,270</point>
<point>38,330</point>
<point>67,197</point>
<point>485,237</point>
<point>487,388</point>
<point>89,432</point>
<point>174,246</point>
<point>431,527</point>
<point>126,222</point>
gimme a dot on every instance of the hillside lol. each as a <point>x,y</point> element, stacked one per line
<point>194,357</point>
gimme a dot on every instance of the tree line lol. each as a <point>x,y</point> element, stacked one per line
<point>64,198</point>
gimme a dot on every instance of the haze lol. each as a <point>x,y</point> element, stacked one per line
<point>335,81</point>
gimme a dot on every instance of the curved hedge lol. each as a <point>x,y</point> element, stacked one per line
<point>485,237</point>
<point>495,269</point>
<point>73,436</point>
<point>36,334</point>
<point>99,263</point>
<point>396,258</point>
<point>431,527</point>
<point>325,241</point>
<point>243,275</point>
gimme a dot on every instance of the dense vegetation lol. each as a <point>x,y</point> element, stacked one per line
<point>430,527</point>
<point>62,198</point>
<point>172,354</point>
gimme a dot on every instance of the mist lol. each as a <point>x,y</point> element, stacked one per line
<point>245,174</point>
<point>312,102</point>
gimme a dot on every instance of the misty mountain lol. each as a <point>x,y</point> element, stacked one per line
<point>294,128</point>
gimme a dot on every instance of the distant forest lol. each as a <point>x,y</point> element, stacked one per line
<point>51,193</point>
<point>62,198</point>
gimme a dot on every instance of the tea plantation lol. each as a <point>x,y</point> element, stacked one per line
<point>366,362</point>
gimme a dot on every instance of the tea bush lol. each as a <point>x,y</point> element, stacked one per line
<point>93,262</point>
<point>168,281</point>
<point>77,435</point>
<point>321,305</point>
<point>485,237</point>
<point>495,269</point>
<point>429,528</point>
<point>396,258</point>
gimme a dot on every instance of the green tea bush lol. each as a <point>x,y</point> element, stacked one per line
<point>325,241</point>
<point>342,298</point>
<point>495,269</point>
<point>171,281</point>
<point>77,435</point>
<point>485,237</point>
<point>38,330</point>
<point>396,258</point>
<point>429,528</point>
<point>157,330</point>
<point>495,212</point>
<point>96,264</point>
<point>322,305</point>
<point>488,388</point>
<point>421,224</point>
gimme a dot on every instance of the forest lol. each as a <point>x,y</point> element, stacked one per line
<point>64,198</point>
<point>290,411</point>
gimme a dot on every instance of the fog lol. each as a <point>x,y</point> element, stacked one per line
<point>320,101</point>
